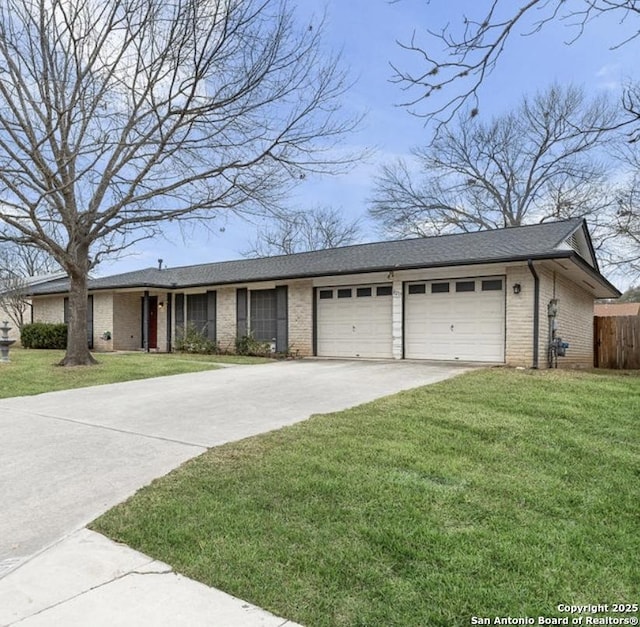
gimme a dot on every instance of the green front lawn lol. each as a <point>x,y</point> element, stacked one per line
<point>36,371</point>
<point>498,493</point>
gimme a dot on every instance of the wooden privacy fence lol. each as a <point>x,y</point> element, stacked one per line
<point>617,342</point>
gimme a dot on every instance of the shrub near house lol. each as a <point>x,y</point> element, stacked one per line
<point>44,335</point>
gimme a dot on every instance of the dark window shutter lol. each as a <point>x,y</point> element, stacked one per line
<point>211,316</point>
<point>144,321</point>
<point>65,315</point>
<point>282,335</point>
<point>168,300</point>
<point>241,311</point>
<point>179,311</point>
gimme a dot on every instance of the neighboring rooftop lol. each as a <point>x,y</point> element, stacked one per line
<point>44,278</point>
<point>539,241</point>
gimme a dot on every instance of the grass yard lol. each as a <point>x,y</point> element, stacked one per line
<point>498,493</point>
<point>35,371</point>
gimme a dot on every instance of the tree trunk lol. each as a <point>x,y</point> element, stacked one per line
<point>78,353</point>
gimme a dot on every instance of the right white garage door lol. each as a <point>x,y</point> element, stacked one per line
<point>458,319</point>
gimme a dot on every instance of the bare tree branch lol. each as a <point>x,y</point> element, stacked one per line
<point>300,231</point>
<point>472,48</point>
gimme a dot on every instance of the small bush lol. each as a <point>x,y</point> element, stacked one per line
<point>193,341</point>
<point>44,335</point>
<point>248,345</point>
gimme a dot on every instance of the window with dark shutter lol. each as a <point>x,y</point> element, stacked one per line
<point>264,315</point>
<point>197,312</point>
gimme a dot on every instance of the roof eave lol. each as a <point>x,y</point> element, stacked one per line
<point>614,292</point>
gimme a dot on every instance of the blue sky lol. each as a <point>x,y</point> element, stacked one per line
<point>366,31</point>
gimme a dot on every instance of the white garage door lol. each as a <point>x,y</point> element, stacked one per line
<point>455,319</point>
<point>354,321</point>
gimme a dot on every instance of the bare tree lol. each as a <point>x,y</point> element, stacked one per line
<point>118,116</point>
<point>14,302</point>
<point>300,231</point>
<point>626,222</point>
<point>464,54</point>
<point>529,165</point>
<point>17,265</point>
<point>25,261</point>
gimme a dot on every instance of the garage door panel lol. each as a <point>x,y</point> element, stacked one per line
<point>357,326</point>
<point>456,325</point>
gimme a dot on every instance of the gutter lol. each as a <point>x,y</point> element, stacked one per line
<point>536,312</point>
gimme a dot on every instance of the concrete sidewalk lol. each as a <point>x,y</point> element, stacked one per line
<point>70,456</point>
<point>88,580</point>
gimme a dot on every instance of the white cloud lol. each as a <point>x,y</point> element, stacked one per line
<point>609,77</point>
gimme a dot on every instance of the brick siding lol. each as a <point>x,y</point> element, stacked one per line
<point>102,320</point>
<point>300,303</point>
<point>48,309</point>
<point>574,320</point>
<point>226,318</point>
<point>127,322</point>
<point>519,318</point>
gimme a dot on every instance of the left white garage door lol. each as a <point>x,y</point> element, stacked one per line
<point>354,321</point>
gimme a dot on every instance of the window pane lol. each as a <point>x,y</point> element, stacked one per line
<point>384,290</point>
<point>363,291</point>
<point>492,285</point>
<point>466,286</point>
<point>197,311</point>
<point>344,293</point>
<point>418,289</point>
<point>264,322</point>
<point>326,294</point>
<point>439,288</point>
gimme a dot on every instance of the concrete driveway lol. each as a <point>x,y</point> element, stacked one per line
<point>69,456</point>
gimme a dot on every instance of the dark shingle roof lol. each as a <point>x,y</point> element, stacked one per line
<point>540,241</point>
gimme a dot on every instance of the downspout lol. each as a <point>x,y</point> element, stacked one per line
<point>536,312</point>
<point>315,322</point>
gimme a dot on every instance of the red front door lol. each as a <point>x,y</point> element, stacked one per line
<point>153,322</point>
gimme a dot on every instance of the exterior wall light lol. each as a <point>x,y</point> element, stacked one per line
<point>160,306</point>
<point>517,288</point>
